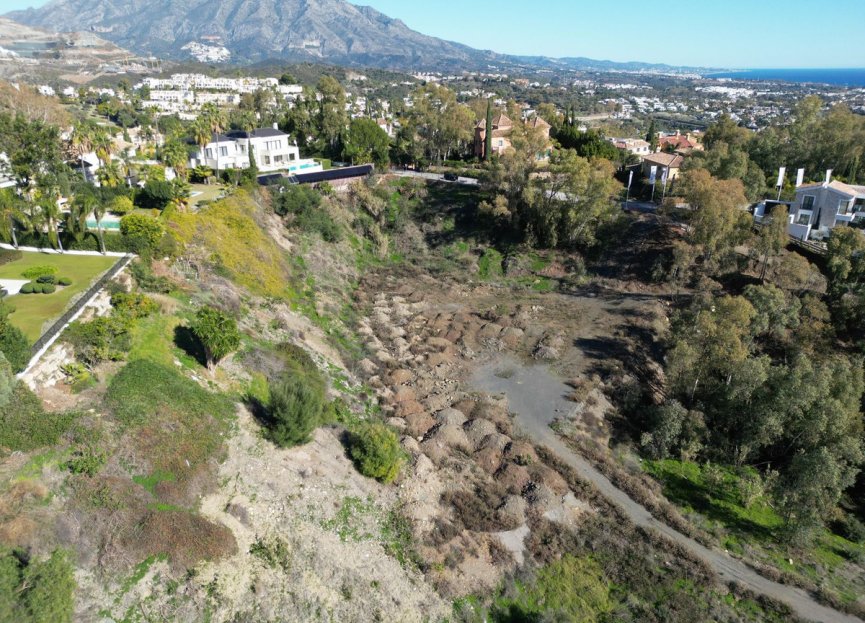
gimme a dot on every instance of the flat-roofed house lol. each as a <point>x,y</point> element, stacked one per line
<point>819,208</point>
<point>272,149</point>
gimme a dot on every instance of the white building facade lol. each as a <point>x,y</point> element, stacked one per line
<point>271,148</point>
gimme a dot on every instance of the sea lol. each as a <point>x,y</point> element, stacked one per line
<point>837,77</point>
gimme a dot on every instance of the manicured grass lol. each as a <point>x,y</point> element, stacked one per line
<point>34,311</point>
<point>209,192</point>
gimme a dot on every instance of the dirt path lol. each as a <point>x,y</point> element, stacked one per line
<point>537,397</point>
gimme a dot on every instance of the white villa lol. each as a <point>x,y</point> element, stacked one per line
<point>271,148</point>
<point>821,207</point>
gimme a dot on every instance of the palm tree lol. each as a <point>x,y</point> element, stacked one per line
<point>214,119</point>
<point>51,217</point>
<point>103,145</point>
<point>99,209</point>
<point>174,155</point>
<point>76,218</point>
<point>82,142</point>
<point>10,214</point>
<point>110,174</point>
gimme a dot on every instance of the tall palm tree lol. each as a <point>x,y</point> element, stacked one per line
<point>51,216</point>
<point>10,215</point>
<point>110,174</point>
<point>215,120</point>
<point>76,219</point>
<point>103,145</point>
<point>99,209</point>
<point>82,142</point>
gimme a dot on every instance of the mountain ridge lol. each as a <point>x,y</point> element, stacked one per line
<point>244,31</point>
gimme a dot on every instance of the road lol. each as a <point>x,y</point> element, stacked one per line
<point>537,397</point>
<point>434,177</point>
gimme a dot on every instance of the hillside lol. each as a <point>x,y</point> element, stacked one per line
<point>331,30</point>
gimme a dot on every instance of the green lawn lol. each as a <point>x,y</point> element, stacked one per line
<point>34,311</point>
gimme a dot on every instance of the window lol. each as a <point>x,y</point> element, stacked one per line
<point>804,218</point>
<point>273,145</point>
<point>208,153</point>
<point>844,207</point>
<point>808,202</point>
<point>223,151</point>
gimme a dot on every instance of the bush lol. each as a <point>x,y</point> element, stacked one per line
<point>147,280</point>
<point>142,233</point>
<point>14,345</point>
<point>8,255</point>
<point>101,339</point>
<point>134,304</point>
<point>121,205</point>
<point>52,279</point>
<point>36,591</point>
<point>64,281</point>
<point>850,528</point>
<point>27,427</point>
<point>7,382</point>
<point>376,452</point>
<point>35,272</point>
<point>294,411</point>
<point>27,288</point>
<point>217,332</point>
<point>48,288</point>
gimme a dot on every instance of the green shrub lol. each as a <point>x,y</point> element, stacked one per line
<point>48,288</point>
<point>27,426</point>
<point>142,232</point>
<point>36,591</point>
<point>294,410</point>
<point>7,382</point>
<point>14,345</point>
<point>101,339</point>
<point>64,281</point>
<point>376,452</point>
<point>217,332</point>
<point>121,205</point>
<point>34,272</point>
<point>47,279</point>
<point>86,461</point>
<point>147,280</point>
<point>134,304</point>
<point>490,264</point>
<point>8,256</point>
<point>27,288</point>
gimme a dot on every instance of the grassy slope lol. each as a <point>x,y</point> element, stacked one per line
<point>32,311</point>
<point>757,527</point>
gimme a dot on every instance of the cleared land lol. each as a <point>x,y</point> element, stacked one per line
<point>33,311</point>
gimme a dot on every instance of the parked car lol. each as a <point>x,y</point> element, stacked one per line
<point>451,177</point>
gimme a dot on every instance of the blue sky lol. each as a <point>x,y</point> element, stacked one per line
<point>733,33</point>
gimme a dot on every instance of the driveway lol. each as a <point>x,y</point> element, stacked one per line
<point>537,397</point>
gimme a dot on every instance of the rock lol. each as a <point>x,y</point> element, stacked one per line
<point>513,511</point>
<point>543,475</point>
<point>496,441</point>
<point>397,423</point>
<point>452,437</point>
<point>404,394</point>
<point>477,429</point>
<point>513,477</point>
<point>409,407</point>
<point>410,445</point>
<point>450,416</point>
<point>417,424</point>
<point>521,452</point>
<point>436,359</point>
<point>467,407</point>
<point>367,366</point>
<point>489,460</point>
<point>512,337</point>
<point>400,377</point>
<point>490,330</point>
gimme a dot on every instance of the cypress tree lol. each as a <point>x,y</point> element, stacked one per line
<point>488,139</point>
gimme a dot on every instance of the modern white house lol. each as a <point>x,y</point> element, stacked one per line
<point>821,207</point>
<point>272,149</point>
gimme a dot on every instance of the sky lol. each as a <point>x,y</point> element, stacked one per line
<point>700,33</point>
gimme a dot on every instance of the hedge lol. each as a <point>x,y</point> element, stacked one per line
<point>9,255</point>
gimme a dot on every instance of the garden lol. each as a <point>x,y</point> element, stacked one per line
<point>63,278</point>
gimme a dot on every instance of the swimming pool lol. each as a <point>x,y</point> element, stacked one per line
<point>106,225</point>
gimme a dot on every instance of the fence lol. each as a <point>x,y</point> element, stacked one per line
<point>49,336</point>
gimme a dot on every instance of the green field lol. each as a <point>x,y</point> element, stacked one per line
<point>34,311</point>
